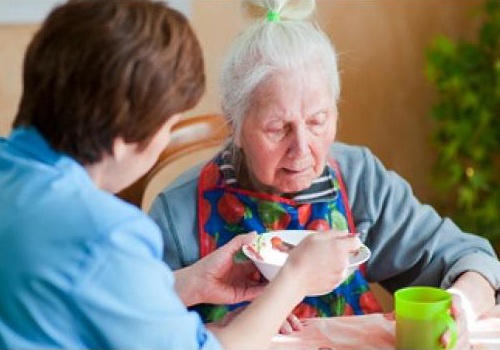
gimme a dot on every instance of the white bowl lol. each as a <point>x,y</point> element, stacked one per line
<point>269,260</point>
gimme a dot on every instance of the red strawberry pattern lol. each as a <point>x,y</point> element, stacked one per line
<point>348,310</point>
<point>304,213</point>
<point>318,225</point>
<point>304,310</point>
<point>211,175</point>
<point>273,215</point>
<point>209,244</point>
<point>230,208</point>
<point>226,210</point>
<point>369,303</point>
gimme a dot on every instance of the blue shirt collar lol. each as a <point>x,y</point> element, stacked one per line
<point>29,142</point>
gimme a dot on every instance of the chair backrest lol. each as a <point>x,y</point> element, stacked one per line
<point>193,140</point>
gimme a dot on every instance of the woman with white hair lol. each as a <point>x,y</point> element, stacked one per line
<point>282,169</point>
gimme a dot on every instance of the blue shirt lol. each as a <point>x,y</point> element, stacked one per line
<point>79,268</point>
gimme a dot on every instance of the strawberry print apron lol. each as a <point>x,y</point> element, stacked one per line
<point>226,210</point>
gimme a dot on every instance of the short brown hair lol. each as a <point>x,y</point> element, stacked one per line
<point>97,70</point>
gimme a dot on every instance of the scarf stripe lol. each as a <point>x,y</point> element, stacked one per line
<point>322,189</point>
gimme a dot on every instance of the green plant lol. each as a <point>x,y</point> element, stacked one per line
<point>467,117</point>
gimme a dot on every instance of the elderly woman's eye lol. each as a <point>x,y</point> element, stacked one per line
<point>317,121</point>
<point>276,133</point>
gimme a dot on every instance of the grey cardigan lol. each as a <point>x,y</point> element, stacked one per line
<point>410,243</point>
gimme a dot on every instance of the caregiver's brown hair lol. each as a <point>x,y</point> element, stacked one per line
<point>97,70</point>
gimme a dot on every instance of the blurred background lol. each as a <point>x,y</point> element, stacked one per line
<point>387,101</point>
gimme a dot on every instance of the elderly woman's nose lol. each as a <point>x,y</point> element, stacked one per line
<point>298,143</point>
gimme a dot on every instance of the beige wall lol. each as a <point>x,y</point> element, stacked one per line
<point>385,97</point>
<point>13,42</point>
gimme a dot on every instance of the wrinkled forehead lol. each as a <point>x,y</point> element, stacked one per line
<point>308,85</point>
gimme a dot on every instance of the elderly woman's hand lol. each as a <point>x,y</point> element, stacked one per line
<point>218,278</point>
<point>320,261</point>
<point>459,314</point>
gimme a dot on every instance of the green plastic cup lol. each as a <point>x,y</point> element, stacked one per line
<point>422,316</point>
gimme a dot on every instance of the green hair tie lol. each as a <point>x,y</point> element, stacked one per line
<point>273,16</point>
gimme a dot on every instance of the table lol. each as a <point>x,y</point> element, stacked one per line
<point>374,331</point>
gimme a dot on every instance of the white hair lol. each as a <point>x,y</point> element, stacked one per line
<point>291,43</point>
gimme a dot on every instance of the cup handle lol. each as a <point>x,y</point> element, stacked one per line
<point>452,327</point>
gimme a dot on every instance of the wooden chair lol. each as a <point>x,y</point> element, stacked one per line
<point>193,140</point>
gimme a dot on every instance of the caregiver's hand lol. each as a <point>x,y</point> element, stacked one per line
<point>320,261</point>
<point>218,278</point>
<point>315,266</point>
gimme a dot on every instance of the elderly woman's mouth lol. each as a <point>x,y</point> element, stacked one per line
<point>296,171</point>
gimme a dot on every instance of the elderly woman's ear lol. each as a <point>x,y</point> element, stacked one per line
<point>237,138</point>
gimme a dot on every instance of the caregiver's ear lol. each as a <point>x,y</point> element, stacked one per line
<point>120,149</point>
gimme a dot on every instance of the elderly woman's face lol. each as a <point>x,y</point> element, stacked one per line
<point>288,130</point>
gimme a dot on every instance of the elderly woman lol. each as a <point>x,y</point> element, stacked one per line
<point>282,169</point>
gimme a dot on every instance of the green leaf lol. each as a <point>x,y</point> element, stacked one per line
<point>466,116</point>
<point>216,313</point>
<point>338,221</point>
<point>269,212</point>
<point>240,257</point>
